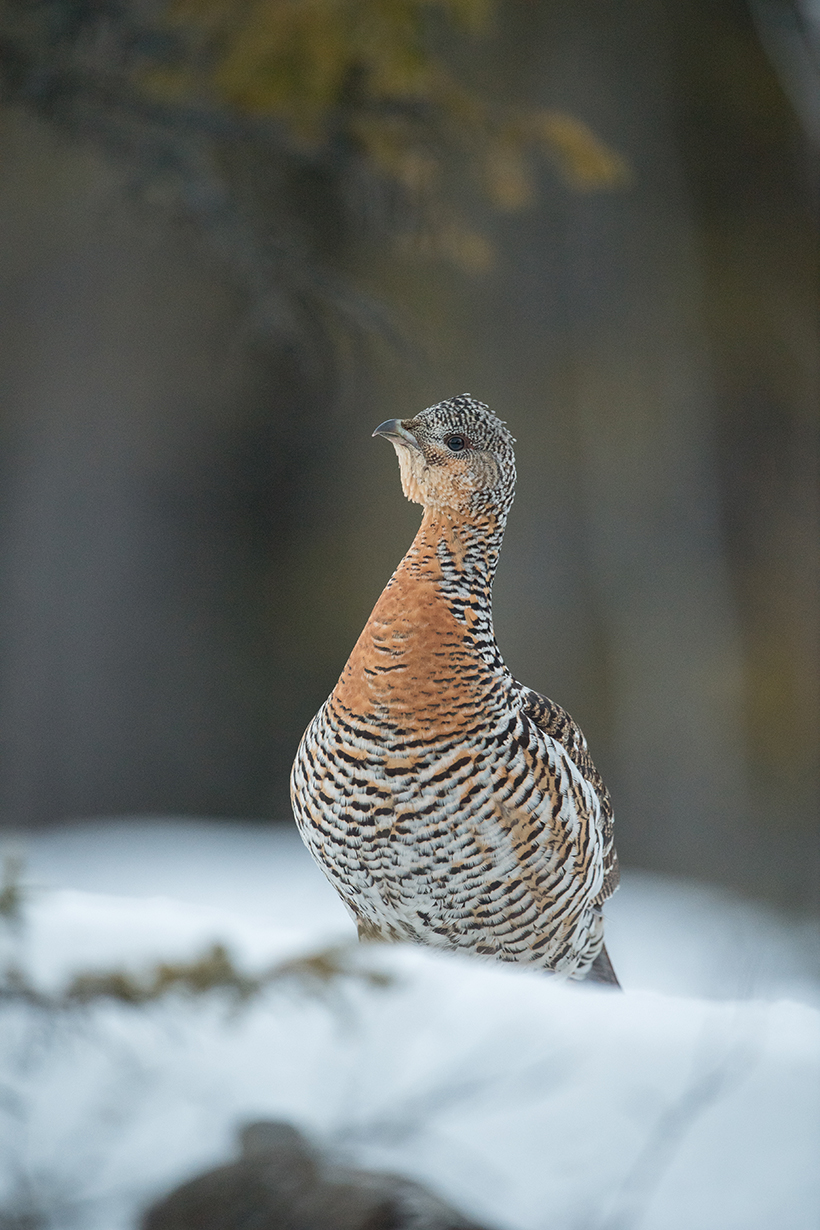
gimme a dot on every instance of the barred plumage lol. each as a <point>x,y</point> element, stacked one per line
<point>446,803</point>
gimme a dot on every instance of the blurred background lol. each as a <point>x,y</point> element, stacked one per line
<point>234,237</point>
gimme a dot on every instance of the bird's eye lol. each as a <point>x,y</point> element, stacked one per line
<point>457,444</point>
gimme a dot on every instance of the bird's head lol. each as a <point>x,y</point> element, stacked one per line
<point>455,457</point>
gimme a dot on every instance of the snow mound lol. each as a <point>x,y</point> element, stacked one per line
<point>689,1101</point>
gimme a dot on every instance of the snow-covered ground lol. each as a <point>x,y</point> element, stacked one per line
<point>691,1101</point>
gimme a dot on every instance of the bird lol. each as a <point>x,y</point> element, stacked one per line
<point>282,1182</point>
<point>448,804</point>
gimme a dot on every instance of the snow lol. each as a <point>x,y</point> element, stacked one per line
<point>692,1100</point>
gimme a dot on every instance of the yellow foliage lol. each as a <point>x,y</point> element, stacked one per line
<point>452,238</point>
<point>295,59</point>
<point>507,175</point>
<point>585,162</point>
<point>365,70</point>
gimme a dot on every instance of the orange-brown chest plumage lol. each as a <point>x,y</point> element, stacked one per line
<point>415,665</point>
<point>441,799</point>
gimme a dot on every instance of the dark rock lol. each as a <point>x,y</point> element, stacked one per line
<point>280,1182</point>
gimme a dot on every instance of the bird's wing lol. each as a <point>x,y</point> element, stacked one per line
<point>557,723</point>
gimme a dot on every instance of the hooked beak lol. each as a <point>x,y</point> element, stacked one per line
<point>393,431</point>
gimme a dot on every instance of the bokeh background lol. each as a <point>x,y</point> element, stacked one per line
<point>234,237</point>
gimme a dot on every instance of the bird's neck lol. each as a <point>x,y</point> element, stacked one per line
<point>458,554</point>
<point>427,657</point>
<point>447,575</point>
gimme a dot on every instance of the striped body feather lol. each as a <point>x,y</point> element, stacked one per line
<point>447,804</point>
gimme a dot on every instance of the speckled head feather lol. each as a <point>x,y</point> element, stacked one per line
<point>455,457</point>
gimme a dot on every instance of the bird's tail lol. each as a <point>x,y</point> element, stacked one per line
<point>601,970</point>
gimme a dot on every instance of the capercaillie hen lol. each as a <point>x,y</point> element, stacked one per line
<point>448,804</point>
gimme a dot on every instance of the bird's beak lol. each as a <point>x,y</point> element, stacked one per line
<point>393,431</point>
